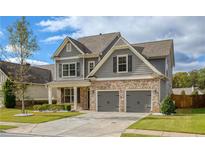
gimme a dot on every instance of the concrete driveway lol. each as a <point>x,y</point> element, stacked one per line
<point>91,124</point>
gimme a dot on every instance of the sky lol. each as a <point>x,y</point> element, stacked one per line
<point>188,34</point>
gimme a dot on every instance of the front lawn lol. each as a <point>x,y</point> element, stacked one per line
<point>186,120</point>
<point>4,127</point>
<point>38,117</point>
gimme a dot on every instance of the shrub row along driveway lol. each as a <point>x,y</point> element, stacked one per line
<point>89,124</point>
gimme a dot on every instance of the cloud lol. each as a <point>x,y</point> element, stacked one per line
<point>54,38</point>
<point>55,24</point>
<point>1,33</point>
<point>187,32</point>
<point>30,61</point>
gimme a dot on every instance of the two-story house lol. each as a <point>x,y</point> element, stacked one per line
<point>106,73</point>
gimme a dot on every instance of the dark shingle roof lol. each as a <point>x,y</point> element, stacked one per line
<point>154,49</point>
<point>98,43</point>
<point>34,74</point>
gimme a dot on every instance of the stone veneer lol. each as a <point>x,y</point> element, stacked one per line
<point>122,86</point>
<point>83,104</point>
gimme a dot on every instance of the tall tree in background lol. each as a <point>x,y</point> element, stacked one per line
<point>201,78</point>
<point>23,44</point>
<point>181,80</point>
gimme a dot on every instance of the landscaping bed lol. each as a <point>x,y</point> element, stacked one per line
<point>7,115</point>
<point>185,120</point>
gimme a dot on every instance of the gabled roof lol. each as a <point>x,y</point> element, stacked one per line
<point>79,46</point>
<point>154,49</point>
<point>99,43</point>
<point>34,74</point>
<point>123,44</point>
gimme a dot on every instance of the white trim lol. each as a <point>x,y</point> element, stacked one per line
<point>69,70</point>
<point>125,55</point>
<point>125,97</point>
<point>96,96</point>
<point>68,48</point>
<point>124,78</point>
<point>59,49</point>
<point>89,62</point>
<point>67,58</point>
<point>108,54</point>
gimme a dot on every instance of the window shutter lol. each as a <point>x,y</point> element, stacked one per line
<point>78,68</point>
<point>78,95</point>
<point>60,70</point>
<point>115,64</point>
<point>130,63</point>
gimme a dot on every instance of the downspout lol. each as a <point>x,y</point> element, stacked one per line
<point>83,67</point>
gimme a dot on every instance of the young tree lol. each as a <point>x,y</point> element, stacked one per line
<point>23,44</point>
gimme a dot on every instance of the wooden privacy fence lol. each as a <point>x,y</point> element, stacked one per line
<point>189,101</point>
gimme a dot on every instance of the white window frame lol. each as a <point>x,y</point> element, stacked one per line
<point>68,47</point>
<point>69,69</point>
<point>70,94</point>
<point>118,56</point>
<point>91,62</point>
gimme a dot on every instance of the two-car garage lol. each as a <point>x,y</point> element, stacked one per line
<point>135,101</point>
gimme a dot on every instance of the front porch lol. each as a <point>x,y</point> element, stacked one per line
<point>74,92</point>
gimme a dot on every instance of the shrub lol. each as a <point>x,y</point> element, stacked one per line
<point>167,107</point>
<point>52,107</point>
<point>37,107</point>
<point>8,93</point>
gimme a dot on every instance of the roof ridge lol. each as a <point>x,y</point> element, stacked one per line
<point>98,35</point>
<point>152,41</point>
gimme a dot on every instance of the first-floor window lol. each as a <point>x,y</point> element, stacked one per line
<point>68,95</point>
<point>69,70</point>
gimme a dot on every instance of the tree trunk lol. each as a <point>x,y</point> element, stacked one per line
<point>22,102</point>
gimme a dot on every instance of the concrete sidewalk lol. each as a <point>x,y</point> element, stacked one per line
<point>161,133</point>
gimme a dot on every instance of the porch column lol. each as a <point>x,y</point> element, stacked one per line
<point>49,95</point>
<point>75,98</point>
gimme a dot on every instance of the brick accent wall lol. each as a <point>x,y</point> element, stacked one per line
<point>122,85</point>
<point>83,104</point>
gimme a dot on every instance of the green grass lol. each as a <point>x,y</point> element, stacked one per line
<point>135,135</point>
<point>186,120</point>
<point>4,127</point>
<point>38,117</point>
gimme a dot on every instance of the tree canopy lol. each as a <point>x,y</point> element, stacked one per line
<point>194,78</point>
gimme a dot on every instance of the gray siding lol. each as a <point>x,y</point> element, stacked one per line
<point>74,52</point>
<point>138,67</point>
<point>163,91</point>
<point>86,64</point>
<point>69,61</point>
<point>159,64</point>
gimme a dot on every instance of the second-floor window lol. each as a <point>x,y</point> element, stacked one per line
<point>69,70</point>
<point>122,63</point>
<point>68,47</point>
<point>91,65</point>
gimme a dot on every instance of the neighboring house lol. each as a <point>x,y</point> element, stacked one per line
<point>188,91</point>
<point>36,80</point>
<point>106,73</point>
